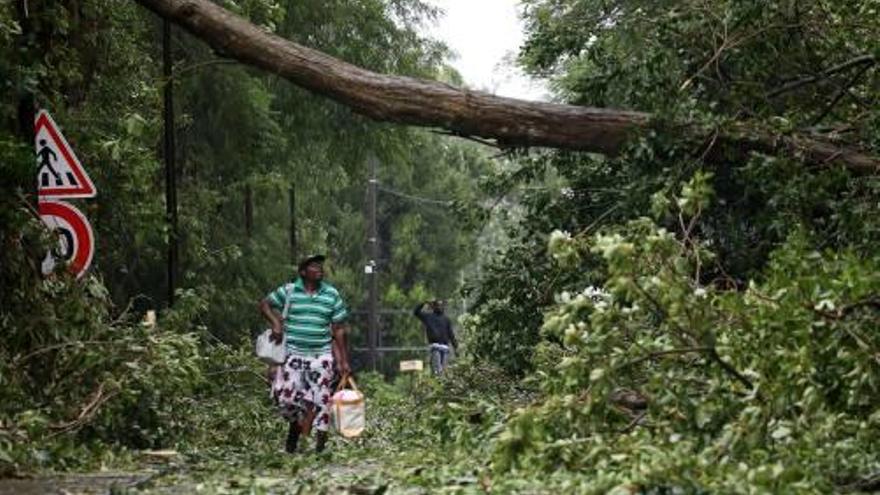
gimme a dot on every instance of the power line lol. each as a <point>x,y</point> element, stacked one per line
<point>418,199</point>
<point>383,311</point>
<point>422,348</point>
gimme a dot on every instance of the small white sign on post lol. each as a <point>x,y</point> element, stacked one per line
<point>414,365</point>
<point>150,318</point>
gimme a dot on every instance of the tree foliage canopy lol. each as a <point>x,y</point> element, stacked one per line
<point>693,325</point>
<point>244,140</point>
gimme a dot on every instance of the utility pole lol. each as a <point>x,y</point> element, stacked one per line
<point>170,172</point>
<point>248,211</point>
<point>372,266</point>
<point>27,106</point>
<point>463,309</point>
<point>292,209</point>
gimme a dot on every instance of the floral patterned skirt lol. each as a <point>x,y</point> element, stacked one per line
<point>303,380</point>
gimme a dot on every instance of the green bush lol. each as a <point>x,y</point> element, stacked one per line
<point>664,379</point>
<point>75,377</point>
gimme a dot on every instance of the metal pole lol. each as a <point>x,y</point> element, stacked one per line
<point>373,245</point>
<point>26,101</point>
<point>170,172</point>
<point>292,209</point>
<point>461,292</point>
<point>248,211</point>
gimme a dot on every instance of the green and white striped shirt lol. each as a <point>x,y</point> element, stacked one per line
<point>309,316</point>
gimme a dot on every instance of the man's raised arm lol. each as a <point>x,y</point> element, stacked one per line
<point>418,311</point>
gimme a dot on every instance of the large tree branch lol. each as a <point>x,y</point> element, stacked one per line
<point>867,60</point>
<point>406,100</point>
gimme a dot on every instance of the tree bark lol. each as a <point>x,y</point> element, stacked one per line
<point>511,122</point>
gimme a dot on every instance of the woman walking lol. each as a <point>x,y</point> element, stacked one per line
<point>314,334</point>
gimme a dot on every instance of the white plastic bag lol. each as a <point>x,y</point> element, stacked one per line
<point>349,409</point>
<point>269,352</point>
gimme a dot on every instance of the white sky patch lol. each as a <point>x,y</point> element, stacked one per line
<point>486,36</point>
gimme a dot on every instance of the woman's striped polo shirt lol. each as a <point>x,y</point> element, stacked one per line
<point>309,316</point>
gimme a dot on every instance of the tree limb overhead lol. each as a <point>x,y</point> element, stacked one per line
<point>511,122</point>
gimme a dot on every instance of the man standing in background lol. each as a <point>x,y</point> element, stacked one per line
<point>438,330</point>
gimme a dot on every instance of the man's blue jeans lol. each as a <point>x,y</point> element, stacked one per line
<point>439,358</point>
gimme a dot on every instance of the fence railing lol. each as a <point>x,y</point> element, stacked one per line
<point>401,338</point>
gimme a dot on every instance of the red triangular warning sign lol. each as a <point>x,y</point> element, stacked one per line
<point>59,173</point>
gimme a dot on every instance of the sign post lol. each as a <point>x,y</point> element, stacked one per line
<point>412,367</point>
<point>60,175</point>
<point>76,242</point>
<point>59,172</point>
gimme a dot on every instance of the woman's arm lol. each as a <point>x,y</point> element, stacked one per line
<point>339,347</point>
<point>273,318</point>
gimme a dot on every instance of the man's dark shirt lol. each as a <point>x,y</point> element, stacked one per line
<point>437,327</point>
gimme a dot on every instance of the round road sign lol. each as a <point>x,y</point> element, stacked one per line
<point>76,242</point>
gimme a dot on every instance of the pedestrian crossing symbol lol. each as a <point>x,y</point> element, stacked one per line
<point>59,173</point>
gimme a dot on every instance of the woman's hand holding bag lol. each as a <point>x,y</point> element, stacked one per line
<point>349,409</point>
<point>270,347</point>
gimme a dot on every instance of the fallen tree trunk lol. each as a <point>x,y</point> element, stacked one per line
<point>511,122</point>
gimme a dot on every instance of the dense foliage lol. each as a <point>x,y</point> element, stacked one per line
<point>78,368</point>
<point>687,61</point>
<point>696,323</point>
